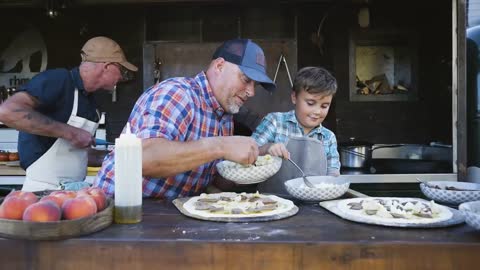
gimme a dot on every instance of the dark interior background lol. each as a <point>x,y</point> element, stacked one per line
<point>425,119</point>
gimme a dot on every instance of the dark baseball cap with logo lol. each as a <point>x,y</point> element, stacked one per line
<point>250,59</point>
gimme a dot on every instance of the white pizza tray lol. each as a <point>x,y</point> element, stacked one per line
<point>457,217</point>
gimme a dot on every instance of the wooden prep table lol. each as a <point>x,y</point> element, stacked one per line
<point>313,239</point>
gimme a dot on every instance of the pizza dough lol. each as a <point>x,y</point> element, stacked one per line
<point>232,205</point>
<point>395,210</point>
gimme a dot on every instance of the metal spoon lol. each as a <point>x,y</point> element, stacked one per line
<point>307,182</point>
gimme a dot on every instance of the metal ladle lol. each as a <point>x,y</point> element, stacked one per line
<point>304,176</point>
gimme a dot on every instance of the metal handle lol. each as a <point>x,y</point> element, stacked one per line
<point>388,146</point>
<point>295,164</point>
<point>354,153</point>
<point>305,180</point>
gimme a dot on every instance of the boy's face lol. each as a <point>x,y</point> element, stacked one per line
<point>311,109</point>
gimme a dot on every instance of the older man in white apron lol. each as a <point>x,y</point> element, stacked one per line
<point>66,162</point>
<point>57,117</point>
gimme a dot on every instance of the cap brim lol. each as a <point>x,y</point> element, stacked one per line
<point>129,66</point>
<point>260,77</point>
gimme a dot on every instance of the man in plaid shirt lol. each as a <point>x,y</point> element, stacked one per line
<point>186,124</point>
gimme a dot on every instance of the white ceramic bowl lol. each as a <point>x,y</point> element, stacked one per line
<point>451,196</point>
<point>248,174</point>
<point>329,188</point>
<point>471,212</point>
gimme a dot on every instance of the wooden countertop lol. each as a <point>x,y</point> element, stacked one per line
<point>312,239</point>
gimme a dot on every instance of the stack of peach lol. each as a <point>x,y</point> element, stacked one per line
<point>60,204</point>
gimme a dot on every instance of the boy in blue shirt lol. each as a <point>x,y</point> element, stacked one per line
<point>298,134</point>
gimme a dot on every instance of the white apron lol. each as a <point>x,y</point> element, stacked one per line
<point>308,153</point>
<point>63,162</point>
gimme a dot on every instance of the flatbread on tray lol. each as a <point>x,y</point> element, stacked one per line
<point>398,210</point>
<point>413,212</point>
<point>231,207</point>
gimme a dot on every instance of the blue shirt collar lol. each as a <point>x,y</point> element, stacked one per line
<point>77,80</point>
<point>291,117</point>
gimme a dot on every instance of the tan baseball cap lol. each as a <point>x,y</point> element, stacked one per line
<point>104,49</point>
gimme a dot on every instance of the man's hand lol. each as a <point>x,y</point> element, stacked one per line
<point>240,149</point>
<point>80,138</point>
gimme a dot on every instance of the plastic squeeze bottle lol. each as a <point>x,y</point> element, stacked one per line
<point>128,178</point>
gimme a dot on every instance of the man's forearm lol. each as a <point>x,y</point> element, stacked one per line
<point>36,123</point>
<point>162,158</point>
<point>19,112</point>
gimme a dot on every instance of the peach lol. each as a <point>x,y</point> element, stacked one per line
<point>26,195</point>
<point>42,211</point>
<point>60,196</point>
<point>57,199</point>
<point>69,194</point>
<point>81,206</point>
<point>13,207</point>
<point>97,194</point>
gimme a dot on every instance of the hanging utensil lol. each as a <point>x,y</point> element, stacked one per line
<point>283,60</point>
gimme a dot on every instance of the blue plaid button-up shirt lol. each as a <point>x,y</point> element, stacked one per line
<point>277,127</point>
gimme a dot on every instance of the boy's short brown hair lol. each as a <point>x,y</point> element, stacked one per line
<point>315,80</point>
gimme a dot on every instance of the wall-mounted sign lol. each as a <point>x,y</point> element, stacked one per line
<point>16,64</point>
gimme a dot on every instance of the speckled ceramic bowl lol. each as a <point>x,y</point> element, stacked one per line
<point>329,188</point>
<point>471,212</point>
<point>248,174</point>
<point>468,191</point>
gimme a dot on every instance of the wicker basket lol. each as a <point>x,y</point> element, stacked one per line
<point>55,230</point>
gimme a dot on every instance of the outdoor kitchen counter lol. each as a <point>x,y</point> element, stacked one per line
<point>312,239</point>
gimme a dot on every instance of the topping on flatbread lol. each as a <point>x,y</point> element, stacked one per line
<point>234,204</point>
<point>402,210</point>
<point>261,161</point>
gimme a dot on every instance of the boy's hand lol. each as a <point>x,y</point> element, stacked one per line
<point>279,150</point>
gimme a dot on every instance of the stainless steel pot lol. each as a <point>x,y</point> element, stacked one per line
<point>357,154</point>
